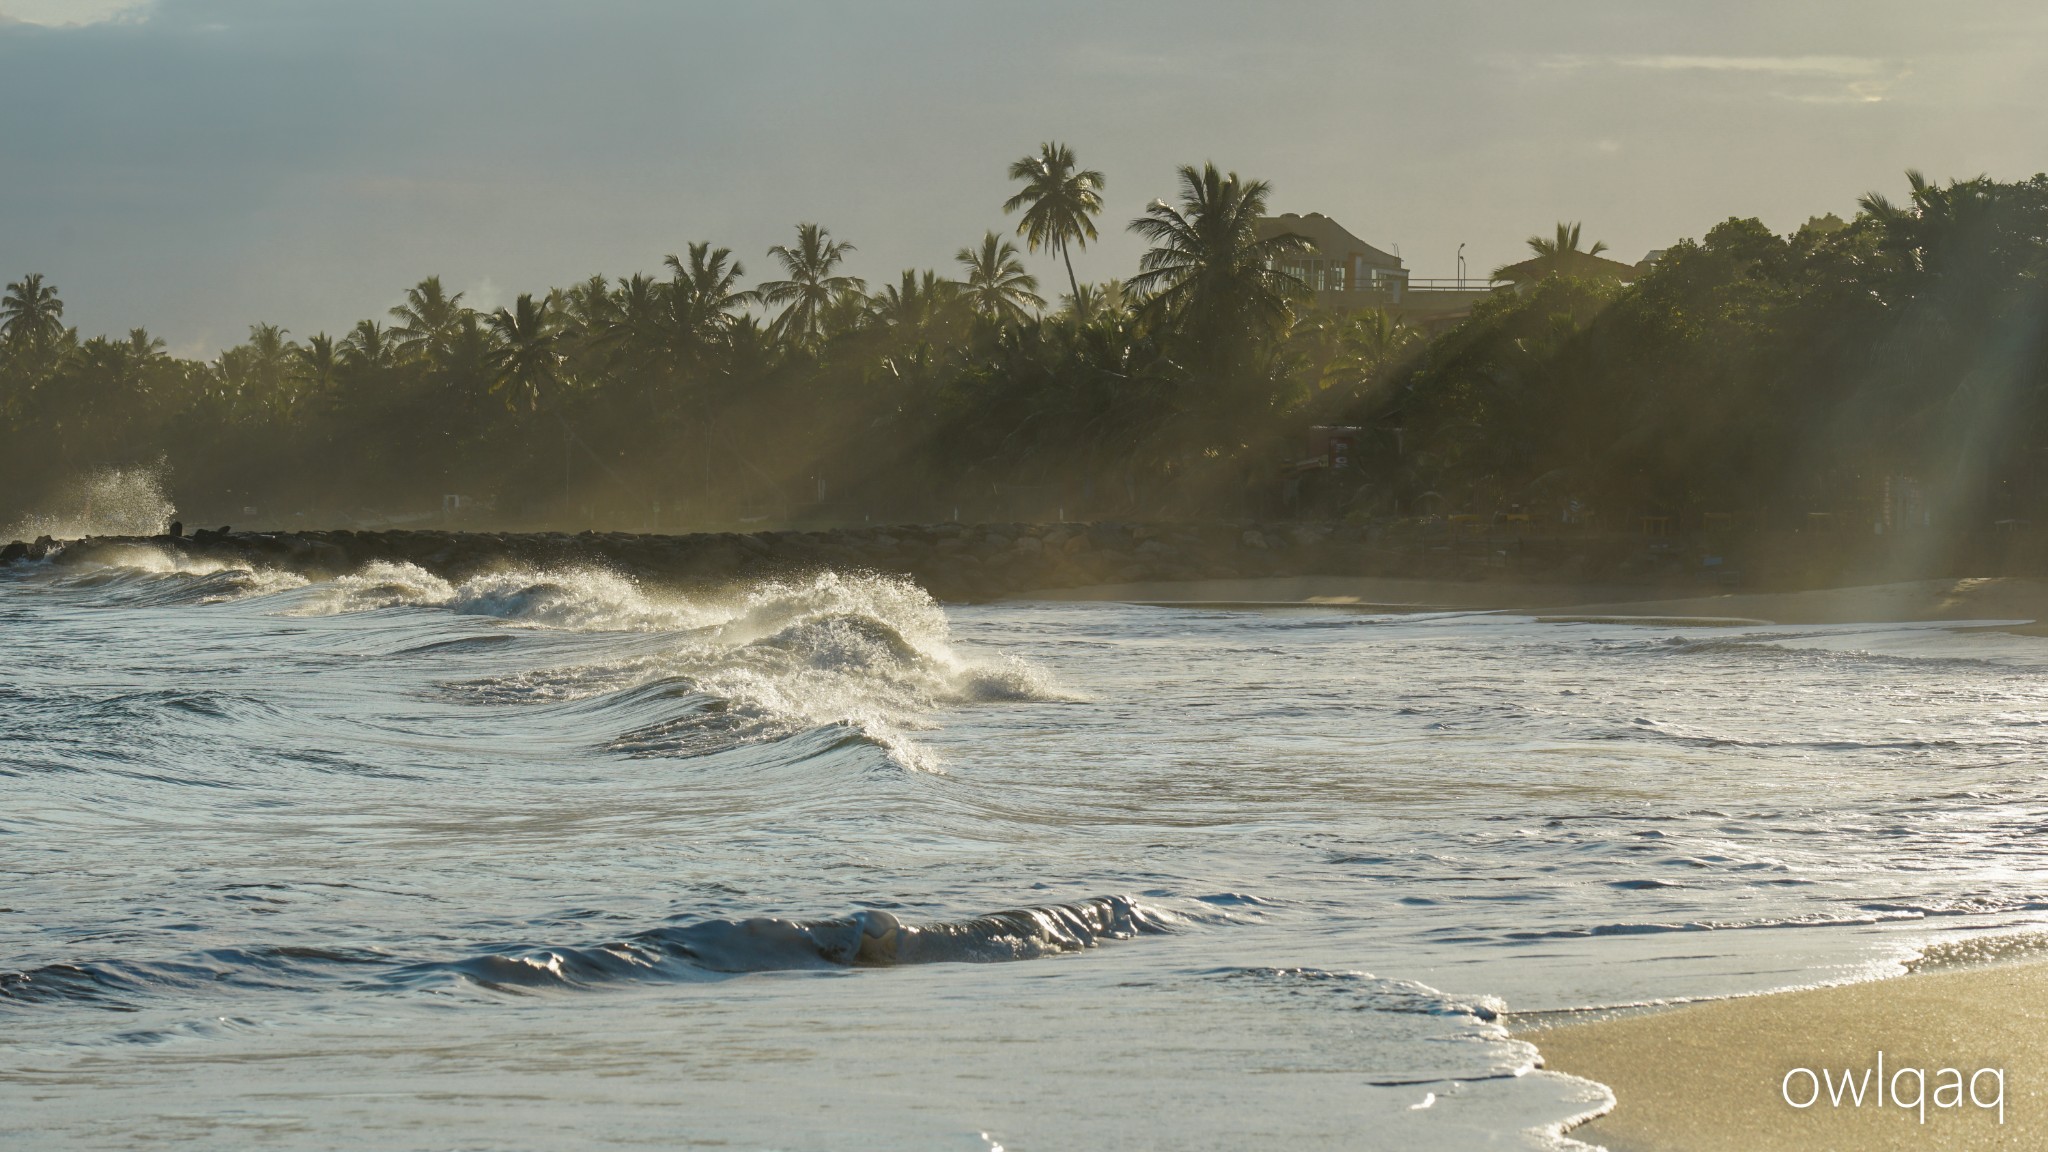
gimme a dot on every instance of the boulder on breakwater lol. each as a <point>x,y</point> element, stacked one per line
<point>952,561</point>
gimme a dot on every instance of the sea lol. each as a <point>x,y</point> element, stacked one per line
<point>551,859</point>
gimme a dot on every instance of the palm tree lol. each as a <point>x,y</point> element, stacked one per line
<point>591,307</point>
<point>142,347</point>
<point>1209,272</point>
<point>703,297</point>
<point>320,362</point>
<point>31,315</point>
<point>711,282</point>
<point>914,301</point>
<point>1940,225</point>
<point>1554,255</point>
<point>271,355</point>
<point>527,364</point>
<point>639,333</point>
<point>426,318</point>
<point>1363,345</point>
<point>1093,301</point>
<point>1060,204</point>
<point>259,373</point>
<point>369,349</point>
<point>997,285</point>
<point>810,289</point>
<point>467,368</point>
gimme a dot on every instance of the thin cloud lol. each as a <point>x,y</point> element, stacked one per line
<point>1842,66</point>
<point>71,13</point>
<point>1817,79</point>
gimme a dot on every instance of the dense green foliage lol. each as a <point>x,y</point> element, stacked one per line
<point>1746,372</point>
<point>1755,374</point>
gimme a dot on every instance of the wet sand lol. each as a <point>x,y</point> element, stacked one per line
<point>1710,1077</point>
<point>2017,604</point>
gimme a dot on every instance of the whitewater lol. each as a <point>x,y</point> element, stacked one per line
<point>549,858</point>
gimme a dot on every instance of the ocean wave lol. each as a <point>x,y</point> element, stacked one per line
<point>870,654</point>
<point>581,599</point>
<point>1797,649</point>
<point>107,502</point>
<point>143,576</point>
<point>870,938</point>
<point>700,950</point>
<point>1861,919</point>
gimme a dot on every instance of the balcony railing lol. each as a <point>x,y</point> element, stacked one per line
<point>1453,284</point>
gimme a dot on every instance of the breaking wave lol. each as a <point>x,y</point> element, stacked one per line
<point>108,502</point>
<point>575,599</point>
<point>700,950</point>
<point>141,576</point>
<point>868,654</point>
<point>853,657</point>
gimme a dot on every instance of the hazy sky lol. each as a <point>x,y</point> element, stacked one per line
<point>197,165</point>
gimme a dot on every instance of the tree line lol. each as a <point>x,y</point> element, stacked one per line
<point>1886,367</point>
<point>1747,370</point>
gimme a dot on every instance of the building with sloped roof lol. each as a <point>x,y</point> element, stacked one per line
<point>1583,265</point>
<point>1346,274</point>
<point>1341,262</point>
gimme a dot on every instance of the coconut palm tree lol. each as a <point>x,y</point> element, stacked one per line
<point>426,318</point>
<point>319,362</point>
<point>31,314</point>
<point>712,283</point>
<point>466,370</point>
<point>811,286</point>
<point>1209,273</point>
<point>638,335</point>
<point>1945,230</point>
<point>1566,240</point>
<point>1095,301</point>
<point>1060,203</point>
<point>258,374</point>
<point>271,356</point>
<point>369,349</point>
<point>1554,255</point>
<point>914,301</point>
<point>997,285</point>
<point>590,307</point>
<point>528,365</point>
<point>1362,346</point>
<point>702,300</point>
<point>144,348</point>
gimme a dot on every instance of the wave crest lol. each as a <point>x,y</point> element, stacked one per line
<point>870,938</point>
<point>701,950</point>
<point>143,576</point>
<point>868,653</point>
<point>108,502</point>
<point>572,599</point>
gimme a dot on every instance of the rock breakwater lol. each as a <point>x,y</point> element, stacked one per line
<point>952,561</point>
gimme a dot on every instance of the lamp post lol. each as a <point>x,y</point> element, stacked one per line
<point>1461,265</point>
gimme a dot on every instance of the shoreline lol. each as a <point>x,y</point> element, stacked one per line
<point>1711,1076</point>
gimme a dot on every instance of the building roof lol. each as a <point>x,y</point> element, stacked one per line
<point>1584,265</point>
<point>1329,237</point>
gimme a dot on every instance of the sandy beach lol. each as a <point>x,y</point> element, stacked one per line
<point>1713,1076</point>
<point>2016,604</point>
